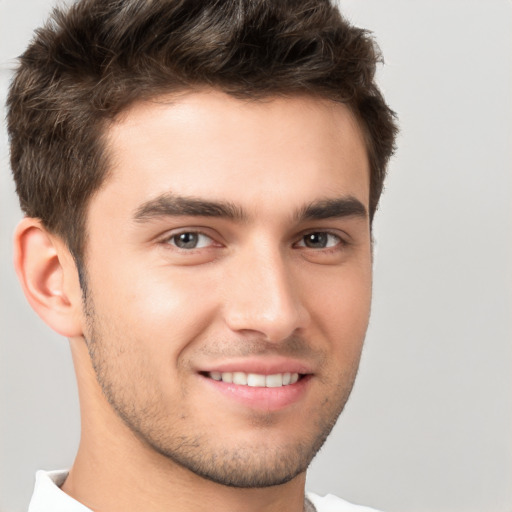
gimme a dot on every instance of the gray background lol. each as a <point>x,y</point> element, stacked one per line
<point>429,426</point>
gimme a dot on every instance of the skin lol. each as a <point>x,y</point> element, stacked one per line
<point>266,286</point>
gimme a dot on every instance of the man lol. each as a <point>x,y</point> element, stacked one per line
<point>199,181</point>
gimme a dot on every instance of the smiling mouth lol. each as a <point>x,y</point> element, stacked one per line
<point>255,380</point>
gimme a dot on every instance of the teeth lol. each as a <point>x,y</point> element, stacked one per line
<point>240,378</point>
<point>256,380</point>
<point>227,377</point>
<point>274,381</point>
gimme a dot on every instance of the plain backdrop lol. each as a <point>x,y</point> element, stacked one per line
<point>429,424</point>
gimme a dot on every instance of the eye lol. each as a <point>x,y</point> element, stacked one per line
<point>190,240</point>
<point>319,240</point>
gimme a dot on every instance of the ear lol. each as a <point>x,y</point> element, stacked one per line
<point>49,277</point>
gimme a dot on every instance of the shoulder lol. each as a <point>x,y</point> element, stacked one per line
<point>330,503</point>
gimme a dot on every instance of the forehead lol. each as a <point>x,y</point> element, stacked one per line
<point>208,144</point>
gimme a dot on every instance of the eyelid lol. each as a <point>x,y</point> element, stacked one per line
<point>342,240</point>
<point>169,235</point>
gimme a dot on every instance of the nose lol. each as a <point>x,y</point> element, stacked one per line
<point>263,297</point>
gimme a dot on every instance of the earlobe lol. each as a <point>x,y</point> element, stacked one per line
<point>48,276</point>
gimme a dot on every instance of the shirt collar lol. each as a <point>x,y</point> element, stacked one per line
<point>48,497</point>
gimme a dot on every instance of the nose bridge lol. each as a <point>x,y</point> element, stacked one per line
<point>263,296</point>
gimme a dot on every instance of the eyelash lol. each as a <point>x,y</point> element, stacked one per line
<point>340,241</point>
<point>168,240</point>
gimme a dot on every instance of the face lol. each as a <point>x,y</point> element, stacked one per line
<point>229,279</point>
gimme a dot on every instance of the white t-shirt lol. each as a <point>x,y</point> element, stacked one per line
<point>48,497</point>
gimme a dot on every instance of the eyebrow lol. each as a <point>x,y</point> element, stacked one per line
<point>339,207</point>
<point>172,205</point>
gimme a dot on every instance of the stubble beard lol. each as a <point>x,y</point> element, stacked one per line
<point>241,466</point>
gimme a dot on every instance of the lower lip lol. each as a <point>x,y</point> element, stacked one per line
<point>267,399</point>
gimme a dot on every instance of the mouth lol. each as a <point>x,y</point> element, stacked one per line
<point>255,380</point>
<point>259,391</point>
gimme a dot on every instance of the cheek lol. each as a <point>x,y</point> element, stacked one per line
<point>159,310</point>
<point>341,311</point>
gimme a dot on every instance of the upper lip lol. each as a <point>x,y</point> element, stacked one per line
<point>261,366</point>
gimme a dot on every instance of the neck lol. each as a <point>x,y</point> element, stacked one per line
<point>115,471</point>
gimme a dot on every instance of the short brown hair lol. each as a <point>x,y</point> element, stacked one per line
<point>89,63</point>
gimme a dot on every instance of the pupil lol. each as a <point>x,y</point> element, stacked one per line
<point>316,240</point>
<point>186,240</point>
